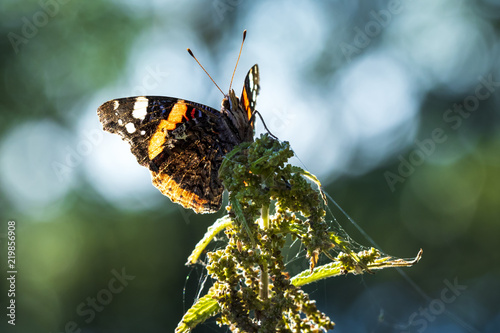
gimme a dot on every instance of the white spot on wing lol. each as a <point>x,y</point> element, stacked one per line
<point>116,105</point>
<point>140,107</point>
<point>120,122</point>
<point>130,128</point>
<point>143,132</point>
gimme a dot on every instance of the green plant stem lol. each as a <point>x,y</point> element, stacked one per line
<point>264,275</point>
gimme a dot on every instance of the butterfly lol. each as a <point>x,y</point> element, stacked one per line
<point>183,143</point>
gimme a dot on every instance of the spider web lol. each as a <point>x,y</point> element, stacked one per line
<point>296,259</point>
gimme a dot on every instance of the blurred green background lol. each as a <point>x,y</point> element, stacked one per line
<point>392,104</point>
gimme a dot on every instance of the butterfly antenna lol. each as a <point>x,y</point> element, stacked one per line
<point>239,54</point>
<point>192,55</point>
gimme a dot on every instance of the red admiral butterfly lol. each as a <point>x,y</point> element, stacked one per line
<point>183,143</point>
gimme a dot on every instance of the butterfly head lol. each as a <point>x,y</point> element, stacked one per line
<point>230,101</point>
<point>232,108</point>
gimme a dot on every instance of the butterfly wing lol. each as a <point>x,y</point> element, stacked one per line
<point>250,91</point>
<point>179,141</point>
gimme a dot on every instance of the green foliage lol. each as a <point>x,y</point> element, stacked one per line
<point>252,290</point>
